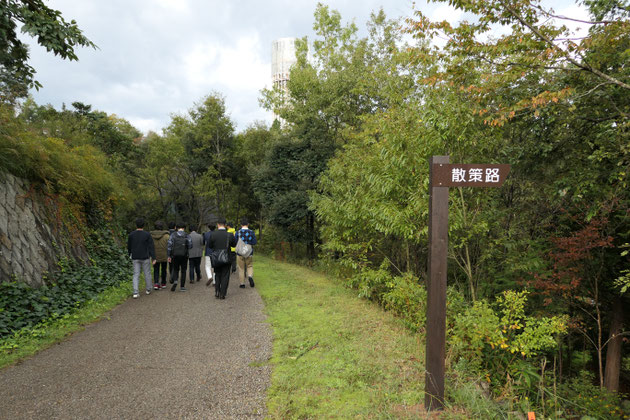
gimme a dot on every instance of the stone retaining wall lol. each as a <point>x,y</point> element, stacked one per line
<point>31,240</point>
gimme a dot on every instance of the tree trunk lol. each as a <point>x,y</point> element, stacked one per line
<point>613,353</point>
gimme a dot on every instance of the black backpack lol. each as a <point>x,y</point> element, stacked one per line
<point>180,246</point>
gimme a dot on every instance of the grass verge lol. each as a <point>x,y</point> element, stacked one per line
<point>335,355</point>
<point>29,341</point>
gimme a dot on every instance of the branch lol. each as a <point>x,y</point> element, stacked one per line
<point>591,91</point>
<point>579,38</point>
<point>586,312</point>
<point>589,338</point>
<point>390,261</point>
<point>625,333</point>
<point>588,22</point>
<point>573,61</point>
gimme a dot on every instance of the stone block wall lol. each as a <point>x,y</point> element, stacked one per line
<point>31,241</point>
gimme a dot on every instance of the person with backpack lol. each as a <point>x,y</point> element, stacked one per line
<point>178,245</point>
<point>194,255</point>
<point>141,250</point>
<point>245,252</point>
<point>208,260</point>
<point>160,243</point>
<point>171,230</point>
<point>220,242</point>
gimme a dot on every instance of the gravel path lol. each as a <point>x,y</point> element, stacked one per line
<point>183,355</point>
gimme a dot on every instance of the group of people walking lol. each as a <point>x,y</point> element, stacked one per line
<point>175,251</point>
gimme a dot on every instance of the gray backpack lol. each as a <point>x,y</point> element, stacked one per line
<point>242,249</point>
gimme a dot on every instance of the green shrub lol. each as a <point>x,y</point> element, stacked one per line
<point>371,284</point>
<point>505,345</point>
<point>81,173</point>
<point>582,397</point>
<point>22,306</point>
<point>407,299</point>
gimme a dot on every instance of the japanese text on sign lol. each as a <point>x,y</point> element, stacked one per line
<point>471,175</point>
<point>475,175</point>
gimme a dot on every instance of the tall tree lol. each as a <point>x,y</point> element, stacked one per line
<point>564,107</point>
<point>190,168</point>
<point>328,97</point>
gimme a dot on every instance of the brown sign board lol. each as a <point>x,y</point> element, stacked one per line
<point>469,174</point>
<point>441,176</point>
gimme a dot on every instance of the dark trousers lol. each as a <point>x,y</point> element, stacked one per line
<point>179,264</point>
<point>159,270</point>
<point>194,264</point>
<point>222,279</point>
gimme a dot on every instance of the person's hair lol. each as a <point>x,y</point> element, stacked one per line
<point>229,224</point>
<point>221,221</point>
<point>159,225</point>
<point>212,227</point>
<point>192,227</point>
<point>139,222</point>
<point>171,225</point>
<point>244,221</point>
<point>180,225</point>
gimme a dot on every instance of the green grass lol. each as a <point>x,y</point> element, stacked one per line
<point>334,354</point>
<point>29,341</point>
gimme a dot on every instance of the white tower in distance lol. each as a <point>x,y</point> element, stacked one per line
<point>282,58</point>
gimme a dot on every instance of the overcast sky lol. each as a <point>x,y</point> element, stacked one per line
<point>159,57</point>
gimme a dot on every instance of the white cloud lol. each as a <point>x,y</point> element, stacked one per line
<point>144,124</point>
<point>159,57</point>
<point>578,12</point>
<point>237,67</point>
<point>447,13</point>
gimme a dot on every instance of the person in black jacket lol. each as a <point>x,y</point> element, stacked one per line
<point>177,250</point>
<point>221,239</point>
<point>171,230</point>
<point>142,251</point>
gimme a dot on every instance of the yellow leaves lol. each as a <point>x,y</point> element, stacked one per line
<point>494,122</point>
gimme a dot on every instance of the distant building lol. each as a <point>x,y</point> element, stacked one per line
<point>282,58</point>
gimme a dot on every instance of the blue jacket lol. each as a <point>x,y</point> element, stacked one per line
<point>248,236</point>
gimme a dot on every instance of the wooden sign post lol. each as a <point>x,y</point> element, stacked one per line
<point>441,176</point>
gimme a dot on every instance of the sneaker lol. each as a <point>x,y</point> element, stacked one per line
<point>242,286</point>
<point>163,286</point>
<point>156,286</point>
<point>251,282</point>
<point>136,296</point>
<point>148,292</point>
<point>182,289</point>
<point>173,287</point>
